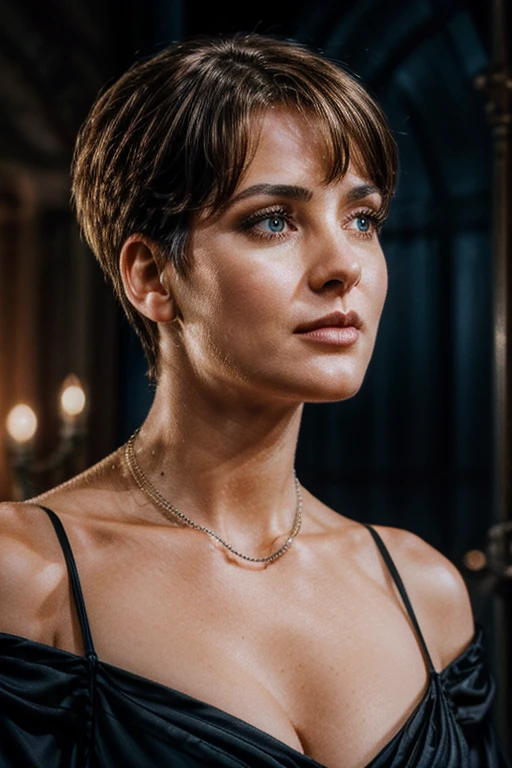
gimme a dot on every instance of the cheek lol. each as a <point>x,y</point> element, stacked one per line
<point>383,282</point>
<point>232,310</point>
<point>378,285</point>
<point>255,293</point>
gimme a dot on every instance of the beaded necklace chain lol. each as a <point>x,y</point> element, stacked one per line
<point>171,513</point>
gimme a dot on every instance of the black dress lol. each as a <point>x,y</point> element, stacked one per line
<point>61,710</point>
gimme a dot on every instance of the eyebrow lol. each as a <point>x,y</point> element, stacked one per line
<point>277,190</point>
<point>361,191</point>
<point>293,192</point>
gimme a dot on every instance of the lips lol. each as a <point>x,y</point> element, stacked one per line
<point>334,320</point>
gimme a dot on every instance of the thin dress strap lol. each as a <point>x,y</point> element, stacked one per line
<point>403,594</point>
<point>75,582</point>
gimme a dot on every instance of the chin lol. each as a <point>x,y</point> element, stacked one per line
<point>324,383</point>
<point>333,394</point>
<point>330,389</point>
<point>337,382</point>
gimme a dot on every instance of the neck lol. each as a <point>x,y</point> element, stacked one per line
<point>227,465</point>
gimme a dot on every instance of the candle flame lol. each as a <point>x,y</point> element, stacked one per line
<point>73,399</point>
<point>21,423</point>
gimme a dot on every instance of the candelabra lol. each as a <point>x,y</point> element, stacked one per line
<point>22,425</point>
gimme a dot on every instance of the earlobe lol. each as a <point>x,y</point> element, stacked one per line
<point>142,272</point>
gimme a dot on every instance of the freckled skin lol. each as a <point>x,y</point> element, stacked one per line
<point>250,288</point>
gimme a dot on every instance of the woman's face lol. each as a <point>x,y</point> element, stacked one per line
<point>287,284</point>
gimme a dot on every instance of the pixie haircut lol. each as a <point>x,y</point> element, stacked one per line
<point>174,135</point>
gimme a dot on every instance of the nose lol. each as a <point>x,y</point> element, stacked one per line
<point>336,267</point>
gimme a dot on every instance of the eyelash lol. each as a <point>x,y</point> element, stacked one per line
<point>249,224</point>
<point>376,218</point>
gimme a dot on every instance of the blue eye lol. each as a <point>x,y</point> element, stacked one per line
<point>274,224</point>
<point>268,223</point>
<point>363,223</point>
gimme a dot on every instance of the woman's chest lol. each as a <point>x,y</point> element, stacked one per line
<point>318,668</point>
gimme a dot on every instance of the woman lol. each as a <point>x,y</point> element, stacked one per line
<point>219,614</point>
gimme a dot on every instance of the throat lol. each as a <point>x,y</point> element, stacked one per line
<point>279,542</point>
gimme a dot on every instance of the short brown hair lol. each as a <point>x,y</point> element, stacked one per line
<point>175,133</point>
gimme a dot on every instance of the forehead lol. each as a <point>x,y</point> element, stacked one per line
<point>287,144</point>
<point>284,139</point>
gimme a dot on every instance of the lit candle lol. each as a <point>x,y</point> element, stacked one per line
<point>72,399</point>
<point>21,424</point>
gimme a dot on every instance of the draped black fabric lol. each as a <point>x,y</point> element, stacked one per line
<point>61,710</point>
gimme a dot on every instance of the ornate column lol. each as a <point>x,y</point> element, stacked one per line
<point>498,85</point>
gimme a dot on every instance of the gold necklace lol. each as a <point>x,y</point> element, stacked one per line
<point>170,512</point>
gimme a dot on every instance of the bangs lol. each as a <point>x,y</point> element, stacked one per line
<point>352,126</point>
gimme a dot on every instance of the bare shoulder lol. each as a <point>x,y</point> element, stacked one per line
<point>23,526</point>
<point>437,592</point>
<point>34,583</point>
<point>33,576</point>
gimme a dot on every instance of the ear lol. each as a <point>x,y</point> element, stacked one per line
<point>142,272</point>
